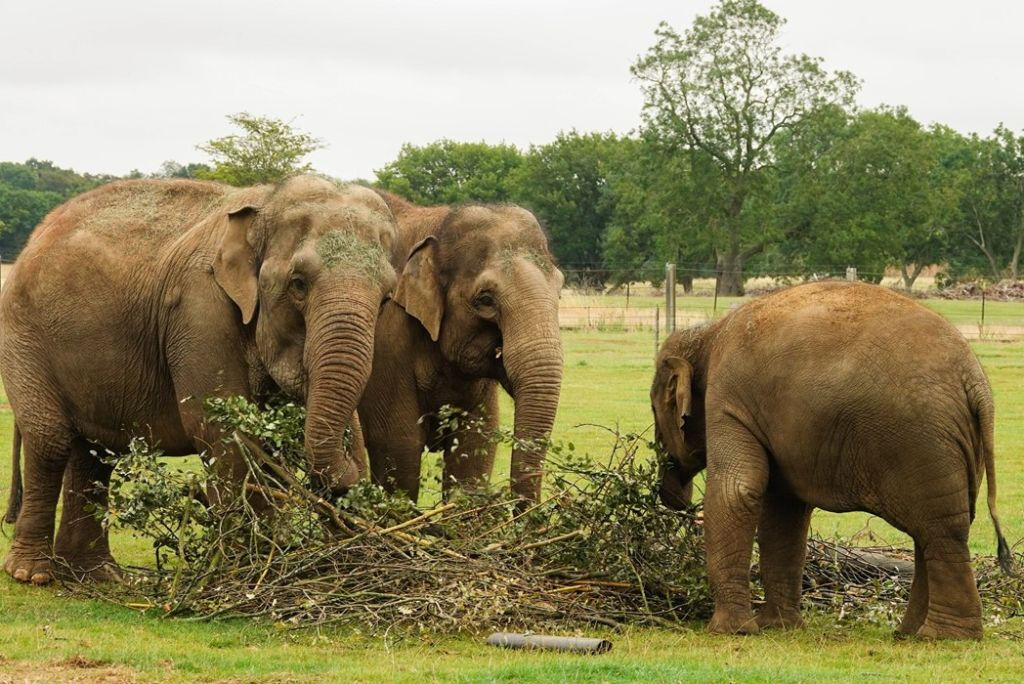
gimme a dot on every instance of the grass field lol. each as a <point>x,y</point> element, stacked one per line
<point>47,637</point>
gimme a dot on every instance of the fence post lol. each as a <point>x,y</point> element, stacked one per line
<point>851,273</point>
<point>983,307</point>
<point>670,298</point>
<point>657,331</point>
<point>627,296</point>
<point>714,304</point>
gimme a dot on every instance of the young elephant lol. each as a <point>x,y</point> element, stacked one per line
<point>133,303</point>
<point>846,397</point>
<point>476,305</point>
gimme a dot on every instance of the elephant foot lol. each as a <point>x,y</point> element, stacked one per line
<point>769,617</point>
<point>733,621</point>
<point>29,565</point>
<point>909,626</point>
<point>959,629</point>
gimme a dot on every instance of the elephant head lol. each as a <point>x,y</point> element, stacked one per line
<point>485,288</point>
<point>677,399</point>
<point>306,265</point>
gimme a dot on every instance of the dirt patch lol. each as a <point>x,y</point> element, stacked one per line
<point>75,669</point>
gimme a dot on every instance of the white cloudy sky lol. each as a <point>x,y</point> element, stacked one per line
<point>110,86</point>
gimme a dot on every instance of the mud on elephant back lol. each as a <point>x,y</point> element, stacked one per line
<point>133,303</point>
<point>822,396</point>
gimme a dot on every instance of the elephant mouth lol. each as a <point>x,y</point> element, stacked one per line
<point>291,383</point>
<point>483,357</point>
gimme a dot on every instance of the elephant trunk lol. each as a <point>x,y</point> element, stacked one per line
<point>338,354</point>
<point>533,362</point>
<point>676,490</point>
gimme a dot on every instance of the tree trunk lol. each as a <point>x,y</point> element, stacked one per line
<point>910,276</point>
<point>730,274</point>
<point>687,283</point>
<point>1015,259</point>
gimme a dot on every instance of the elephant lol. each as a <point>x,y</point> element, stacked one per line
<point>839,396</point>
<point>476,305</point>
<point>133,303</point>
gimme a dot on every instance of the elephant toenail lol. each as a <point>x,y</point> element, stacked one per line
<point>21,575</point>
<point>41,578</point>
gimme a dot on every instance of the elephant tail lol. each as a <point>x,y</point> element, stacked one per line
<point>14,500</point>
<point>986,420</point>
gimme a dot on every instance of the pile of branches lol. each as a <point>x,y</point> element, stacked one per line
<point>1003,291</point>
<point>599,549</point>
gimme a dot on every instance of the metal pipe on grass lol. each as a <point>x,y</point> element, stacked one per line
<point>543,642</point>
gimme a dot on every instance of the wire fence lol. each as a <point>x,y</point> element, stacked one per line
<point>642,306</point>
<point>626,305</point>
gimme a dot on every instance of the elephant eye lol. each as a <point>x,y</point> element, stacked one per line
<point>298,286</point>
<point>484,300</point>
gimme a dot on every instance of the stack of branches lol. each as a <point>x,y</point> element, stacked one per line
<point>1003,291</point>
<point>599,549</point>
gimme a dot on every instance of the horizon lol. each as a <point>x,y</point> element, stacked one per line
<point>368,79</point>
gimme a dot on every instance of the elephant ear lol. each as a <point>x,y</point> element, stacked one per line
<point>236,268</point>
<point>678,396</point>
<point>419,287</point>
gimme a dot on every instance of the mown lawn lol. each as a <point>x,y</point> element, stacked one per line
<point>606,384</point>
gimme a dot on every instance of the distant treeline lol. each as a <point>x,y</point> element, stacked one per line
<point>747,161</point>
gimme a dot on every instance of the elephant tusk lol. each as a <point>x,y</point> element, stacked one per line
<point>497,352</point>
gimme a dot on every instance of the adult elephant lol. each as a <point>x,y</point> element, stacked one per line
<point>133,303</point>
<point>846,397</point>
<point>476,306</point>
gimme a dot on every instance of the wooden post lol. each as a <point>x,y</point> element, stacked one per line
<point>670,298</point>
<point>657,332</point>
<point>714,305</point>
<point>851,273</point>
<point>627,296</point>
<point>983,307</point>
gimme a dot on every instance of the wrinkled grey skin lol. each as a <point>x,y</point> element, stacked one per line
<point>132,304</point>
<point>476,306</point>
<point>846,397</point>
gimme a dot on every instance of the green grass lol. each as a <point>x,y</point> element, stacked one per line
<point>606,383</point>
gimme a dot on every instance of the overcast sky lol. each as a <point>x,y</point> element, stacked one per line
<point>110,86</point>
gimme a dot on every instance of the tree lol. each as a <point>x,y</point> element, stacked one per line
<point>565,183</point>
<point>29,191</point>
<point>868,191</point>
<point>172,169</point>
<point>660,209</point>
<point>989,233</point>
<point>720,94</point>
<point>267,151</point>
<point>20,212</point>
<point>449,172</point>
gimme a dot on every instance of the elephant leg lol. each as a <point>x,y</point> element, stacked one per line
<point>394,445</point>
<point>395,452</point>
<point>81,539</point>
<point>45,458</point>
<point>399,470</point>
<point>782,540</point>
<point>193,382</point>
<point>469,454</point>
<point>736,483</point>
<point>917,608</point>
<point>954,606</point>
